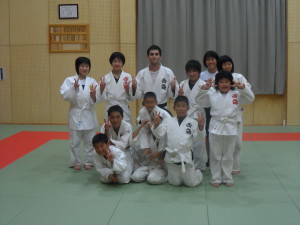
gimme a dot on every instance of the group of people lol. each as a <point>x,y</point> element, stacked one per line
<point>206,130</point>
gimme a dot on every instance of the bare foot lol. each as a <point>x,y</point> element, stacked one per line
<point>215,184</point>
<point>235,172</point>
<point>77,167</point>
<point>229,184</point>
<point>88,167</point>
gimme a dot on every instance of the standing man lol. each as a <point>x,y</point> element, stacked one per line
<point>155,78</point>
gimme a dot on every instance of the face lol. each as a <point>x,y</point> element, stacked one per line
<point>181,109</point>
<point>115,118</point>
<point>117,64</point>
<point>149,104</point>
<point>154,57</point>
<point>83,69</point>
<point>227,66</point>
<point>101,148</point>
<point>193,75</point>
<point>211,63</point>
<point>224,85</point>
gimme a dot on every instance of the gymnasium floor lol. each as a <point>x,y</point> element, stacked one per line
<point>39,188</point>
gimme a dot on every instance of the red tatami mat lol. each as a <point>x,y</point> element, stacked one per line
<point>20,144</point>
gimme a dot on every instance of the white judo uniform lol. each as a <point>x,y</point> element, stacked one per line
<point>179,159</point>
<point>223,128</point>
<point>121,141</point>
<point>115,94</point>
<point>149,169</point>
<point>199,149</point>
<point>119,166</point>
<point>238,146</point>
<point>161,87</point>
<point>82,118</point>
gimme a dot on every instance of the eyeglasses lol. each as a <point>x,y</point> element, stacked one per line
<point>154,54</point>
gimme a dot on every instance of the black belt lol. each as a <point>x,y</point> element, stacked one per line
<point>162,105</point>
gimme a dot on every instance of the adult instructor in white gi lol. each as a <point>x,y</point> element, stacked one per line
<point>156,78</point>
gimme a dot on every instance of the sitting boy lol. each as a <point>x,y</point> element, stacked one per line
<point>110,162</point>
<point>118,132</point>
<point>147,145</point>
<point>180,131</point>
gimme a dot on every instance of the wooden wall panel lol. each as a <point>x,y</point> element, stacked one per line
<point>293,94</point>
<point>128,21</point>
<point>248,116</point>
<point>28,22</point>
<point>5,87</point>
<point>293,19</point>
<point>104,21</point>
<point>4,24</point>
<point>269,110</point>
<point>30,84</point>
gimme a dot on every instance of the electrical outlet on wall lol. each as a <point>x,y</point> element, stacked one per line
<point>2,73</point>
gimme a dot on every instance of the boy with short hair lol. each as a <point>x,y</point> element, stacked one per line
<point>110,162</point>
<point>118,132</point>
<point>180,131</point>
<point>147,145</point>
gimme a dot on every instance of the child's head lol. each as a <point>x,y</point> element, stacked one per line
<point>224,80</point>
<point>193,69</point>
<point>225,63</point>
<point>100,143</point>
<point>115,115</point>
<point>82,65</point>
<point>181,106</point>
<point>210,59</point>
<point>149,101</point>
<point>117,60</point>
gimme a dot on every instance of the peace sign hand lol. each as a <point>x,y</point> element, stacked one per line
<point>76,84</point>
<point>180,91</point>
<point>93,92</point>
<point>126,85</point>
<point>102,84</point>
<point>156,120</point>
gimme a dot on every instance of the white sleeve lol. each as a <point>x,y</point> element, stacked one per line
<point>243,80</point>
<point>102,168</point>
<point>67,91</point>
<point>202,98</point>
<point>247,96</point>
<point>139,86</point>
<point>119,164</point>
<point>160,131</point>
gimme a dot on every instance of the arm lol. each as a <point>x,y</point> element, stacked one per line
<point>102,168</point>
<point>202,98</point>
<point>159,131</point>
<point>139,86</point>
<point>173,87</point>
<point>247,96</point>
<point>123,141</point>
<point>119,162</point>
<point>68,91</point>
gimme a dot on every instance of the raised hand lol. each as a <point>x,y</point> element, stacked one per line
<point>180,91</point>
<point>200,121</point>
<point>93,92</point>
<point>102,84</point>
<point>76,84</point>
<point>239,85</point>
<point>173,84</point>
<point>208,84</point>
<point>107,126</point>
<point>110,157</point>
<point>156,119</point>
<point>126,85</point>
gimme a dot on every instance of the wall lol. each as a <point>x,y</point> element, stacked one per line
<point>30,93</point>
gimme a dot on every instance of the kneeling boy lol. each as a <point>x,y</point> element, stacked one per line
<point>180,132</point>
<point>110,162</point>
